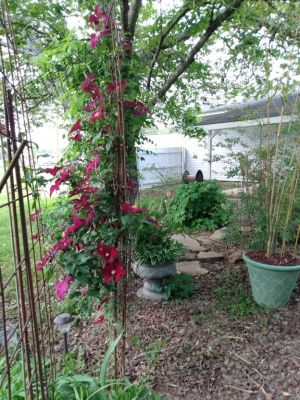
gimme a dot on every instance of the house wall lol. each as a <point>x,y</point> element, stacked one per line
<point>195,155</point>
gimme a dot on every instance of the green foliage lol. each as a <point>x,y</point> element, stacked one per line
<point>180,286</point>
<point>153,245</point>
<point>199,206</point>
<point>234,296</point>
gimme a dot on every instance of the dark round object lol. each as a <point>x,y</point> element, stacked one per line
<point>199,176</point>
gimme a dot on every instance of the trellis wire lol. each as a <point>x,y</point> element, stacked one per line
<point>25,319</point>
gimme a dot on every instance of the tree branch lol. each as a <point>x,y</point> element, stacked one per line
<point>134,11</point>
<point>211,29</point>
<point>124,15</point>
<point>184,10</point>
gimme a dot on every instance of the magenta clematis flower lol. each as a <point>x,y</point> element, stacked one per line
<point>88,84</point>
<point>89,107</point>
<point>55,186</point>
<point>94,18</point>
<point>97,115</point>
<point>99,319</point>
<point>43,262</point>
<point>138,107</point>
<point>92,165</point>
<point>113,87</point>
<point>128,208</point>
<point>76,127</point>
<point>62,287</point>
<point>95,37</point>
<point>53,171</point>
<point>113,272</point>
<point>33,216</point>
<point>62,244</point>
<point>107,253</point>
<point>82,203</point>
<point>77,137</point>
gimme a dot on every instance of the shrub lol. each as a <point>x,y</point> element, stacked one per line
<point>180,286</point>
<point>199,206</point>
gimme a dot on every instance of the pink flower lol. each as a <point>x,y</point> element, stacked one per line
<point>82,203</point>
<point>113,272</point>
<point>117,85</point>
<point>79,246</point>
<point>105,130</point>
<point>62,287</point>
<point>130,209</point>
<point>99,319</point>
<point>88,84</point>
<point>53,171</point>
<point>132,185</point>
<point>90,106</point>
<point>35,214</point>
<point>84,291</point>
<point>36,236</point>
<point>92,165</point>
<point>107,253</point>
<point>42,263</point>
<point>77,137</point>
<point>76,127</point>
<point>99,114</point>
<point>126,44</point>
<point>138,107</point>
<point>62,244</point>
<point>95,18</point>
<point>95,37</point>
<point>55,186</point>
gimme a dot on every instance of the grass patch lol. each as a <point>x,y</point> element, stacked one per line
<point>6,250</point>
<point>234,297</point>
<point>180,287</point>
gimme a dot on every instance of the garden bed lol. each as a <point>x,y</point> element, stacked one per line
<point>216,345</point>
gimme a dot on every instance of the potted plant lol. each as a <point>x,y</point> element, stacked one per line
<point>274,217</point>
<point>155,255</point>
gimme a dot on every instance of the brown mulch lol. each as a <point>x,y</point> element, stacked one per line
<point>192,351</point>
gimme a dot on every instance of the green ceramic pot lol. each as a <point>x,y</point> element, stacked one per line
<point>271,285</point>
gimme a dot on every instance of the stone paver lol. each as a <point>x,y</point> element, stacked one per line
<point>189,256</point>
<point>191,244</point>
<point>205,240</point>
<point>235,257</point>
<point>190,268</point>
<point>219,234</point>
<point>210,256</point>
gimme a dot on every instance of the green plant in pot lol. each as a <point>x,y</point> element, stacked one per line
<point>155,255</point>
<point>272,263</point>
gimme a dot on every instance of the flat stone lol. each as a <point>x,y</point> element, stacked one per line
<point>191,244</point>
<point>219,234</point>
<point>210,256</point>
<point>189,256</point>
<point>191,268</point>
<point>235,257</point>
<point>205,240</point>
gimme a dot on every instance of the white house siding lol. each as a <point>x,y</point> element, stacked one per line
<point>196,153</point>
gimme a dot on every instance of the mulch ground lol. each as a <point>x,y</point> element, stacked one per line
<point>187,352</point>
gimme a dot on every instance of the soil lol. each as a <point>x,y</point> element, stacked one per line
<point>275,259</point>
<point>194,351</point>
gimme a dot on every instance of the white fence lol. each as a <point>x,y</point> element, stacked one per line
<point>158,165</point>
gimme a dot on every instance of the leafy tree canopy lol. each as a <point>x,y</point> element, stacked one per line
<point>183,55</point>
